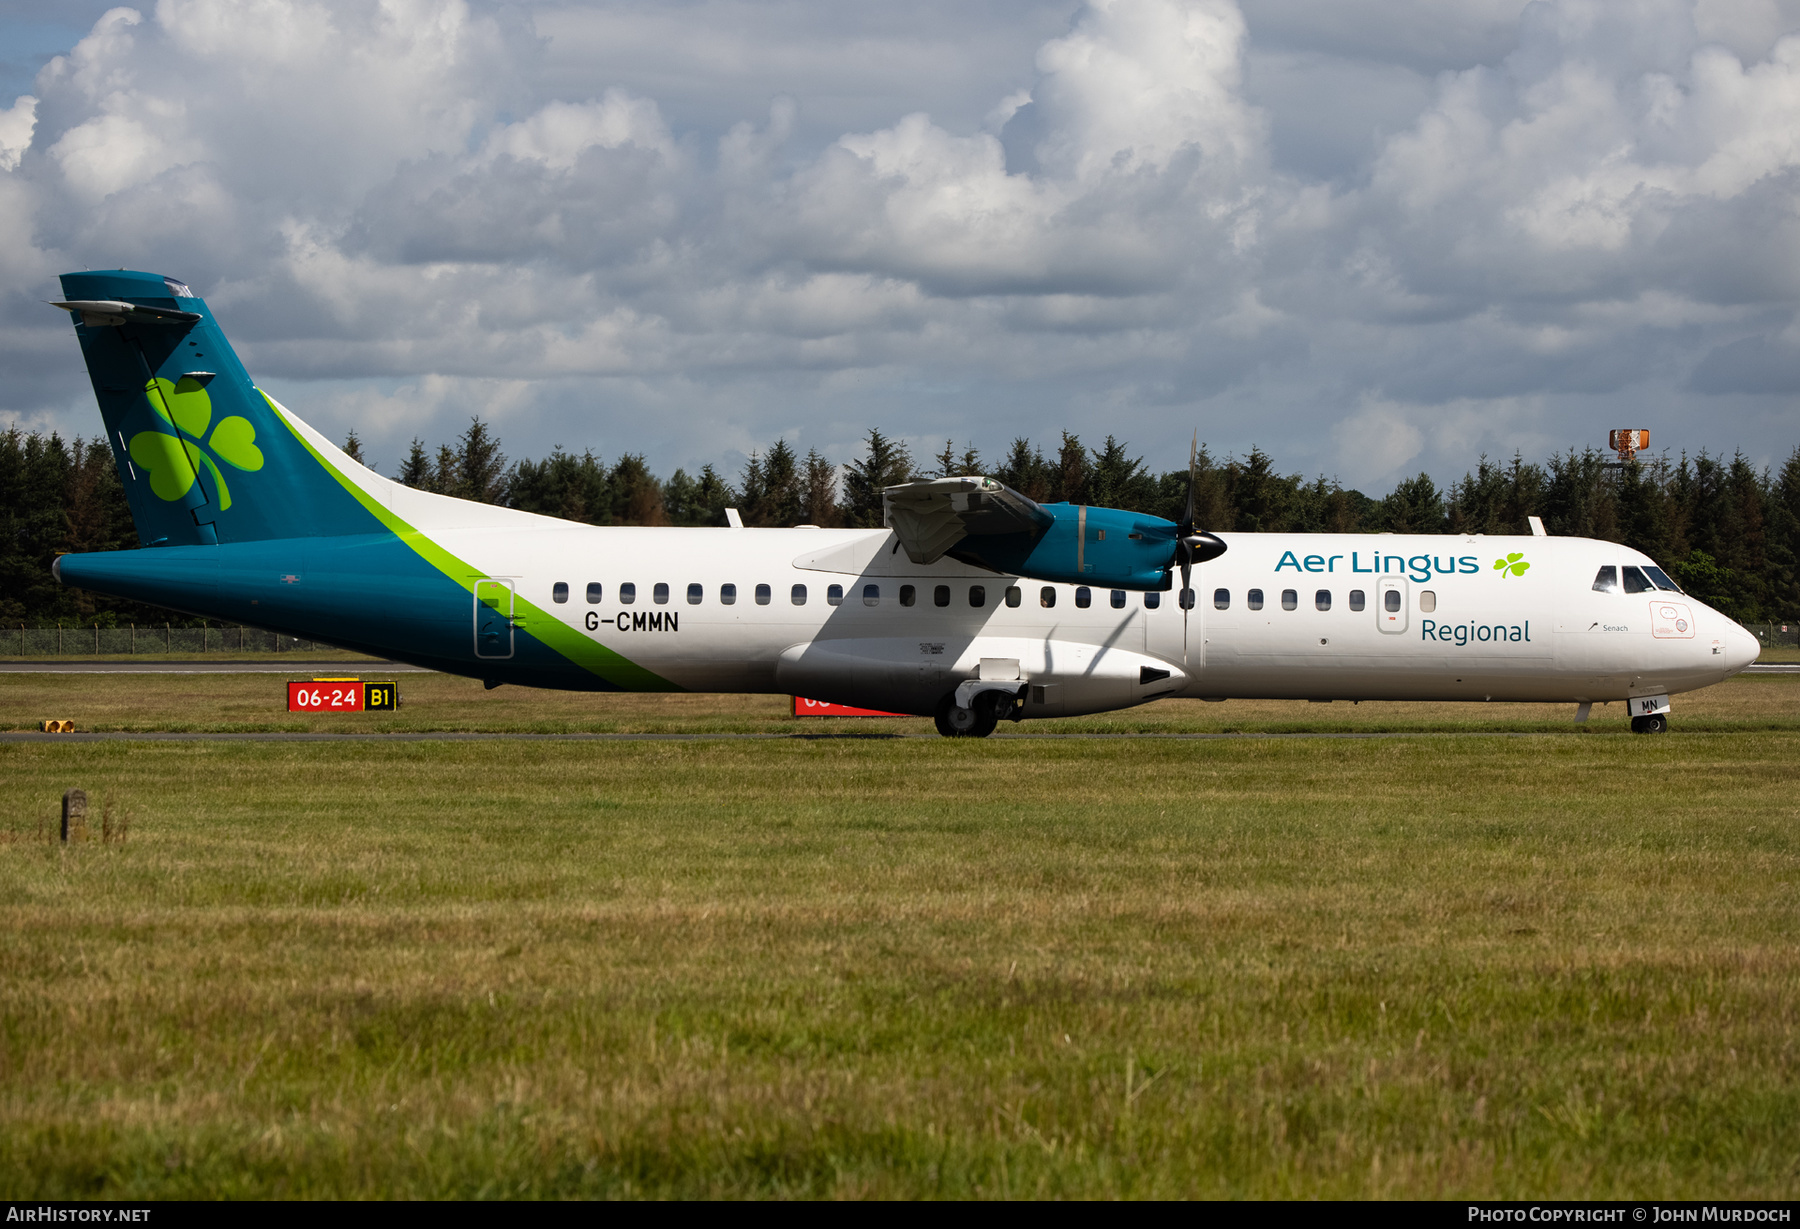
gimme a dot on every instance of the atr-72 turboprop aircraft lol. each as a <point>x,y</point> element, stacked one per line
<point>974,604</point>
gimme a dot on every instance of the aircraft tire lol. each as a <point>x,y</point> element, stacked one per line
<point>1655,723</point>
<point>954,722</point>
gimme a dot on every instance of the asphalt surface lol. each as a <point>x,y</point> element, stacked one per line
<point>279,736</point>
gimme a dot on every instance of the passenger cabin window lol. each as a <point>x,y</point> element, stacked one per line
<point>1118,599</point>
<point>1428,601</point>
<point>871,595</point>
<point>940,596</point>
<point>977,596</point>
<point>908,595</point>
<point>1047,597</point>
<point>1084,597</point>
<point>1013,596</point>
<point>1253,599</point>
<point>834,595</point>
<point>1637,582</point>
<point>627,593</point>
<point>1661,578</point>
<point>660,594</point>
<point>1356,599</point>
<point>1221,599</point>
<point>1187,599</point>
<point>1391,600</point>
<point>559,592</point>
<point>763,594</point>
<point>1152,601</point>
<point>727,595</point>
<point>1606,580</point>
<point>695,594</point>
<point>1290,600</point>
<point>1322,600</point>
<point>593,593</point>
<point>798,594</point>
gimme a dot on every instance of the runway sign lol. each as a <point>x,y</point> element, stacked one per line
<point>347,695</point>
<point>824,708</point>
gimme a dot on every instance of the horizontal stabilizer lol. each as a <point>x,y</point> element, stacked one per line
<point>95,312</point>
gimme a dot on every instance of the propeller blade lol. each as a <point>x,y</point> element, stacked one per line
<point>1187,516</point>
<point>1186,575</point>
<point>1184,547</point>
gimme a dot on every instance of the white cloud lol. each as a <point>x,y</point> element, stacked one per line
<point>559,133</point>
<point>16,124</point>
<point>1370,237</point>
<point>1377,440</point>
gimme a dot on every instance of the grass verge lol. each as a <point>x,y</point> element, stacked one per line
<point>225,703</point>
<point>1466,967</point>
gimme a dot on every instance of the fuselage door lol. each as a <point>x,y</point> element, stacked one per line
<point>493,618</point>
<point>1390,604</point>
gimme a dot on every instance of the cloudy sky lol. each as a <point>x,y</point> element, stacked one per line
<point>1372,236</point>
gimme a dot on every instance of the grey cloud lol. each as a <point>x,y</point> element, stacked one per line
<point>1750,365</point>
<point>1365,235</point>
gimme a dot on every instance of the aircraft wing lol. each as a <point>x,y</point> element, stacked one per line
<point>930,518</point>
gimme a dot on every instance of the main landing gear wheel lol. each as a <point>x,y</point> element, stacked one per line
<point>1655,723</point>
<point>954,722</point>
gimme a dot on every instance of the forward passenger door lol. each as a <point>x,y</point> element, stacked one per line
<point>1390,604</point>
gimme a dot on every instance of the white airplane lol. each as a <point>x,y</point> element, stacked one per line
<point>974,605</point>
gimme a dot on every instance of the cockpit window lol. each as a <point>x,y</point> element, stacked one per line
<point>1661,578</point>
<point>1606,580</point>
<point>1636,581</point>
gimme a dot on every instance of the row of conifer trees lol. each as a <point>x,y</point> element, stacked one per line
<point>1727,530</point>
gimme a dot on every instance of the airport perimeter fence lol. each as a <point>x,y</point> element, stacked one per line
<point>73,640</point>
<point>1775,635</point>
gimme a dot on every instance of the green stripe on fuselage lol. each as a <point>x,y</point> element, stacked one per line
<point>545,628</point>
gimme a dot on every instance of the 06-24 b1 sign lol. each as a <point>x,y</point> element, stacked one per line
<point>341,696</point>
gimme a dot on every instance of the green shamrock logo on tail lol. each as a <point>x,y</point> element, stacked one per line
<point>1513,565</point>
<point>185,406</point>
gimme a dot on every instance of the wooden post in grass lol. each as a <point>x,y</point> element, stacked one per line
<point>74,811</point>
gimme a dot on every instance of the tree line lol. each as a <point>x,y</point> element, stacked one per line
<point>1729,532</point>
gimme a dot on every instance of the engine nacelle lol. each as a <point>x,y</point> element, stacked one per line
<point>988,524</point>
<point>1103,547</point>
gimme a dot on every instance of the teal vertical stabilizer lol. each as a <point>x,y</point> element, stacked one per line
<point>203,456</point>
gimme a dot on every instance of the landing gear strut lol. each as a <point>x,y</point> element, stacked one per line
<point>1655,723</point>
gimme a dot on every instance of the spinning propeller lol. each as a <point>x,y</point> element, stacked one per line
<point>1192,544</point>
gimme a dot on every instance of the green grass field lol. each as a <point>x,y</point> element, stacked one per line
<point>1563,965</point>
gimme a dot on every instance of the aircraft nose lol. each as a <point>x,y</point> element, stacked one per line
<point>1741,647</point>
